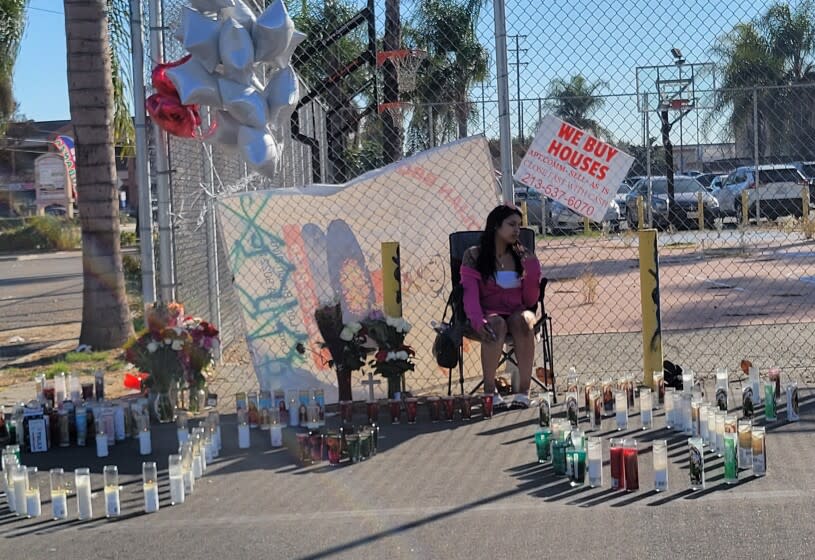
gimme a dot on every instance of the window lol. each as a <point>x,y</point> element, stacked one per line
<point>623,189</point>
<point>786,175</point>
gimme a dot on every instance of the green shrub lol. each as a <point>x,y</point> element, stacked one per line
<point>41,233</point>
<point>128,238</point>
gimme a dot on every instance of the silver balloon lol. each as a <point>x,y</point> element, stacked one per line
<point>243,102</point>
<point>211,5</point>
<point>199,35</point>
<point>194,84</point>
<point>237,52</point>
<point>226,130</point>
<point>260,150</point>
<point>284,59</point>
<point>282,94</point>
<point>241,13</point>
<point>273,32</point>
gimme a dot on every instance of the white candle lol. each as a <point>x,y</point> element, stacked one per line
<point>32,502</point>
<point>197,466</point>
<point>59,505</point>
<point>209,453</point>
<point>660,454</point>
<point>119,422</point>
<point>20,487</point>
<point>84,505</point>
<point>277,436</point>
<point>621,409</point>
<point>218,437</point>
<point>145,444</point>
<point>151,497</point>
<point>646,406</point>
<point>243,436</point>
<point>112,504</point>
<point>101,445</point>
<point>183,436</point>
<point>11,498</point>
<point>176,490</point>
<point>189,481</point>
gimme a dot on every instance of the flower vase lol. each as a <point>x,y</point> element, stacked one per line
<point>197,400</point>
<point>394,385</point>
<point>163,407</point>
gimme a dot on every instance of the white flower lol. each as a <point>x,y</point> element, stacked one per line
<point>391,356</point>
<point>168,341</point>
<point>355,327</point>
<point>178,345</point>
<point>152,346</point>
<point>347,335</point>
<point>402,355</point>
<point>406,326</point>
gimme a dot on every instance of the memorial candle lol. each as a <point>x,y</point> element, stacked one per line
<point>711,426</point>
<point>215,419</point>
<point>792,403</point>
<point>687,406</point>
<point>543,444</point>
<point>660,453</point>
<point>731,469</point>
<point>181,428</point>
<point>33,504</point>
<point>617,464</point>
<point>759,451</point>
<point>545,410</point>
<point>722,389</point>
<point>669,407</point>
<point>594,454</point>
<point>720,417</point>
<point>703,423</point>
<point>659,388</point>
<point>59,495</point>
<point>9,466</point>
<point>276,431</point>
<point>395,408</point>
<point>60,389</point>
<point>186,468</point>
<point>176,474</point>
<point>113,506</point>
<point>745,431</point>
<point>632,471</point>
<point>145,437</point>
<point>621,409</point>
<point>596,411</point>
<point>769,401</point>
<point>448,402</point>
<point>20,482</point>
<point>197,454</point>
<point>243,429</point>
<point>646,409</point>
<point>150,487</point>
<point>433,403</point>
<point>696,428</point>
<point>696,457</point>
<point>82,484</point>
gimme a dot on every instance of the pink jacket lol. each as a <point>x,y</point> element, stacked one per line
<point>482,299</point>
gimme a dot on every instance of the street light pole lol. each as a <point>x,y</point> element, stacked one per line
<point>505,133</point>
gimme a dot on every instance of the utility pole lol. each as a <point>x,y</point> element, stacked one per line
<point>391,41</point>
<point>517,51</point>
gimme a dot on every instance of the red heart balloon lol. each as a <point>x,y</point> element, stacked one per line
<point>161,83</point>
<point>177,119</point>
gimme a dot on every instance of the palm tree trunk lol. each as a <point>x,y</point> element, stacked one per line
<point>105,313</point>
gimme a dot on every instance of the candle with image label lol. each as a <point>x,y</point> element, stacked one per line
<point>759,451</point>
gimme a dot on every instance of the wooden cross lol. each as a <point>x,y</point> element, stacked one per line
<point>370,383</point>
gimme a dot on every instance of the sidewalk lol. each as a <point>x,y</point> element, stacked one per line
<point>458,490</point>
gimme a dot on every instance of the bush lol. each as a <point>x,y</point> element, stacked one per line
<point>41,233</point>
<point>128,238</point>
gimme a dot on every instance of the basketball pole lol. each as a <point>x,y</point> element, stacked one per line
<point>504,130</point>
<point>391,41</point>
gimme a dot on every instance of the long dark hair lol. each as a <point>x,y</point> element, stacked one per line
<point>486,255</point>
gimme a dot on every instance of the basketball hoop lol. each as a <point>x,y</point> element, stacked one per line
<point>406,62</point>
<point>675,104</point>
<point>396,110</point>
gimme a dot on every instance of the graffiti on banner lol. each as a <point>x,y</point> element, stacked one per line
<point>573,167</point>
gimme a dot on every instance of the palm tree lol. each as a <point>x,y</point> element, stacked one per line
<point>105,314</point>
<point>772,50</point>
<point>575,101</point>
<point>12,25</point>
<point>446,29</point>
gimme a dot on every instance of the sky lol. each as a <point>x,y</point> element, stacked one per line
<point>604,40</point>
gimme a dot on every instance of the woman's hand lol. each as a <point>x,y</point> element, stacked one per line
<point>522,252</point>
<point>486,333</point>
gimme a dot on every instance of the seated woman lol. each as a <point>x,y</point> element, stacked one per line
<point>501,283</point>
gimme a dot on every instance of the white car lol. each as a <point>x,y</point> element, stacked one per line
<point>777,192</point>
<point>563,219</point>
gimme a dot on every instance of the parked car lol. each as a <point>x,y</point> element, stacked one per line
<point>707,180</point>
<point>778,192</point>
<point>807,169</point>
<point>686,195</point>
<point>563,219</point>
<point>619,198</point>
<point>534,205</point>
<point>717,183</point>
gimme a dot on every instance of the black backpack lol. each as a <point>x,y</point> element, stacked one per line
<point>448,336</point>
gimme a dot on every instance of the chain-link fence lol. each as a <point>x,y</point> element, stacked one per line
<point>718,94</point>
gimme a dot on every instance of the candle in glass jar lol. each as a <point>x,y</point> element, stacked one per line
<point>696,457</point>
<point>59,495</point>
<point>711,426</point>
<point>687,413</point>
<point>731,468</point>
<point>150,486</point>
<point>60,389</point>
<point>545,410</point>
<point>621,409</point>
<point>703,433</point>
<point>617,464</point>
<point>277,435</point>
<point>197,457</point>
<point>687,381</point>
<point>176,474</point>
<point>745,431</point>
<point>82,484</point>
<point>182,431</point>
<point>145,437</point>
<point>596,411</point>
<point>660,453</point>
<point>792,403</point>
<point>101,438</point>
<point>769,401</point>
<point>215,418</point>
<point>632,471</point>
<point>646,408</point>
<point>669,407</point>
<point>186,468</point>
<point>243,429</point>
<point>33,504</point>
<point>720,417</point>
<point>594,454</point>
<point>659,388</point>
<point>113,507</point>
<point>99,384</point>
<point>19,479</point>
<point>759,451</point>
<point>722,389</point>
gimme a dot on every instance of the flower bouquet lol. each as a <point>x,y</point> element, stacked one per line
<point>393,357</point>
<point>348,345</point>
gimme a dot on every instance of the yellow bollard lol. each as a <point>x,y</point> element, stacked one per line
<point>391,279</point>
<point>700,210</point>
<point>745,208</point>
<point>524,213</point>
<point>640,213</point>
<point>649,297</point>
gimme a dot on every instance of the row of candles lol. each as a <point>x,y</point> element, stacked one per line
<point>196,451</point>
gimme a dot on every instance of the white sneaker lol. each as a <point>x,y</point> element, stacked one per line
<point>498,402</point>
<point>520,401</point>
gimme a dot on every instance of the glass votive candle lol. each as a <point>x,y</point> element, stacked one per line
<point>646,408</point>
<point>632,471</point>
<point>621,409</point>
<point>759,451</point>
<point>265,418</point>
<point>215,419</point>
<point>374,437</point>
<point>559,448</point>
<point>731,422</point>
<point>543,442</point>
<point>545,410</point>
<point>774,376</point>
<point>577,474</point>
<point>19,477</point>
<point>687,414</point>
<point>669,407</point>
<point>770,414</point>
<point>696,461</point>
<point>703,431</point>
<point>333,443</point>
<point>659,388</point>
<point>175,472</point>
<point>276,429</point>
<point>617,463</point>
<point>186,468</point>
<point>792,403</point>
<point>745,430</point>
<point>304,448</point>
<point>395,408</point>
<point>353,443</point>
<point>722,389</point>
<point>347,411</point>
<point>731,462</point>
<point>32,495</point>
<point>660,454</point>
<point>372,411</point>
<point>696,429</point>
<point>365,444</point>
<point>411,409</point>
<point>711,426</point>
<point>595,410</point>
<point>110,475</point>
<point>588,388</point>
<point>87,392</point>
<point>316,445</point>
<point>82,485</point>
<point>59,494</point>
<point>720,418</point>
<point>486,405</point>
<point>149,475</point>
<point>466,407</point>
<point>145,437</point>
<point>578,438</point>
<point>434,405</point>
<point>449,406</point>
<point>687,382</point>
<point>594,456</point>
<point>243,429</point>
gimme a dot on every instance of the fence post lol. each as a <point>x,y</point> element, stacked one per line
<point>755,154</point>
<point>805,212</point>
<point>700,210</point>
<point>745,209</point>
<point>640,213</point>
<point>649,297</point>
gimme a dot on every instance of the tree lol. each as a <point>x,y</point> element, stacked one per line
<point>12,25</point>
<point>772,50</point>
<point>446,29</point>
<point>576,101</point>
<point>105,313</point>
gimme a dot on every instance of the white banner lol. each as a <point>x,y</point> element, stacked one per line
<point>292,250</point>
<point>573,167</point>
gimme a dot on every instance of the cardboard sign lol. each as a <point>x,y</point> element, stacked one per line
<point>573,167</point>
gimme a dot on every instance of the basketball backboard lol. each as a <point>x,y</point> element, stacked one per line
<point>676,87</point>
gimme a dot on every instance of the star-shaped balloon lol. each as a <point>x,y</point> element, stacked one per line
<point>260,150</point>
<point>243,102</point>
<point>195,85</point>
<point>284,59</point>
<point>237,52</point>
<point>282,94</point>
<point>211,5</point>
<point>199,35</point>
<point>241,13</point>
<point>225,130</point>
<point>273,32</point>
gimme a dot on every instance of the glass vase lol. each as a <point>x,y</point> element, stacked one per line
<point>163,407</point>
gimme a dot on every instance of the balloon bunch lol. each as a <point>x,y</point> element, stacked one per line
<point>227,44</point>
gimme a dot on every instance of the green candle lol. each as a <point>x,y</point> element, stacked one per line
<point>731,470</point>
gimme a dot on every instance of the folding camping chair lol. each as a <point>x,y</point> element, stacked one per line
<point>460,241</point>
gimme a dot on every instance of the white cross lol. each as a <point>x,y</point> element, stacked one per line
<point>370,383</point>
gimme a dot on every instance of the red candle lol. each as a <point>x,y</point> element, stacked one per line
<point>347,411</point>
<point>412,408</point>
<point>631,467</point>
<point>486,405</point>
<point>617,466</point>
<point>396,410</point>
<point>466,407</point>
<point>373,412</point>
<point>449,407</point>
<point>435,408</point>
